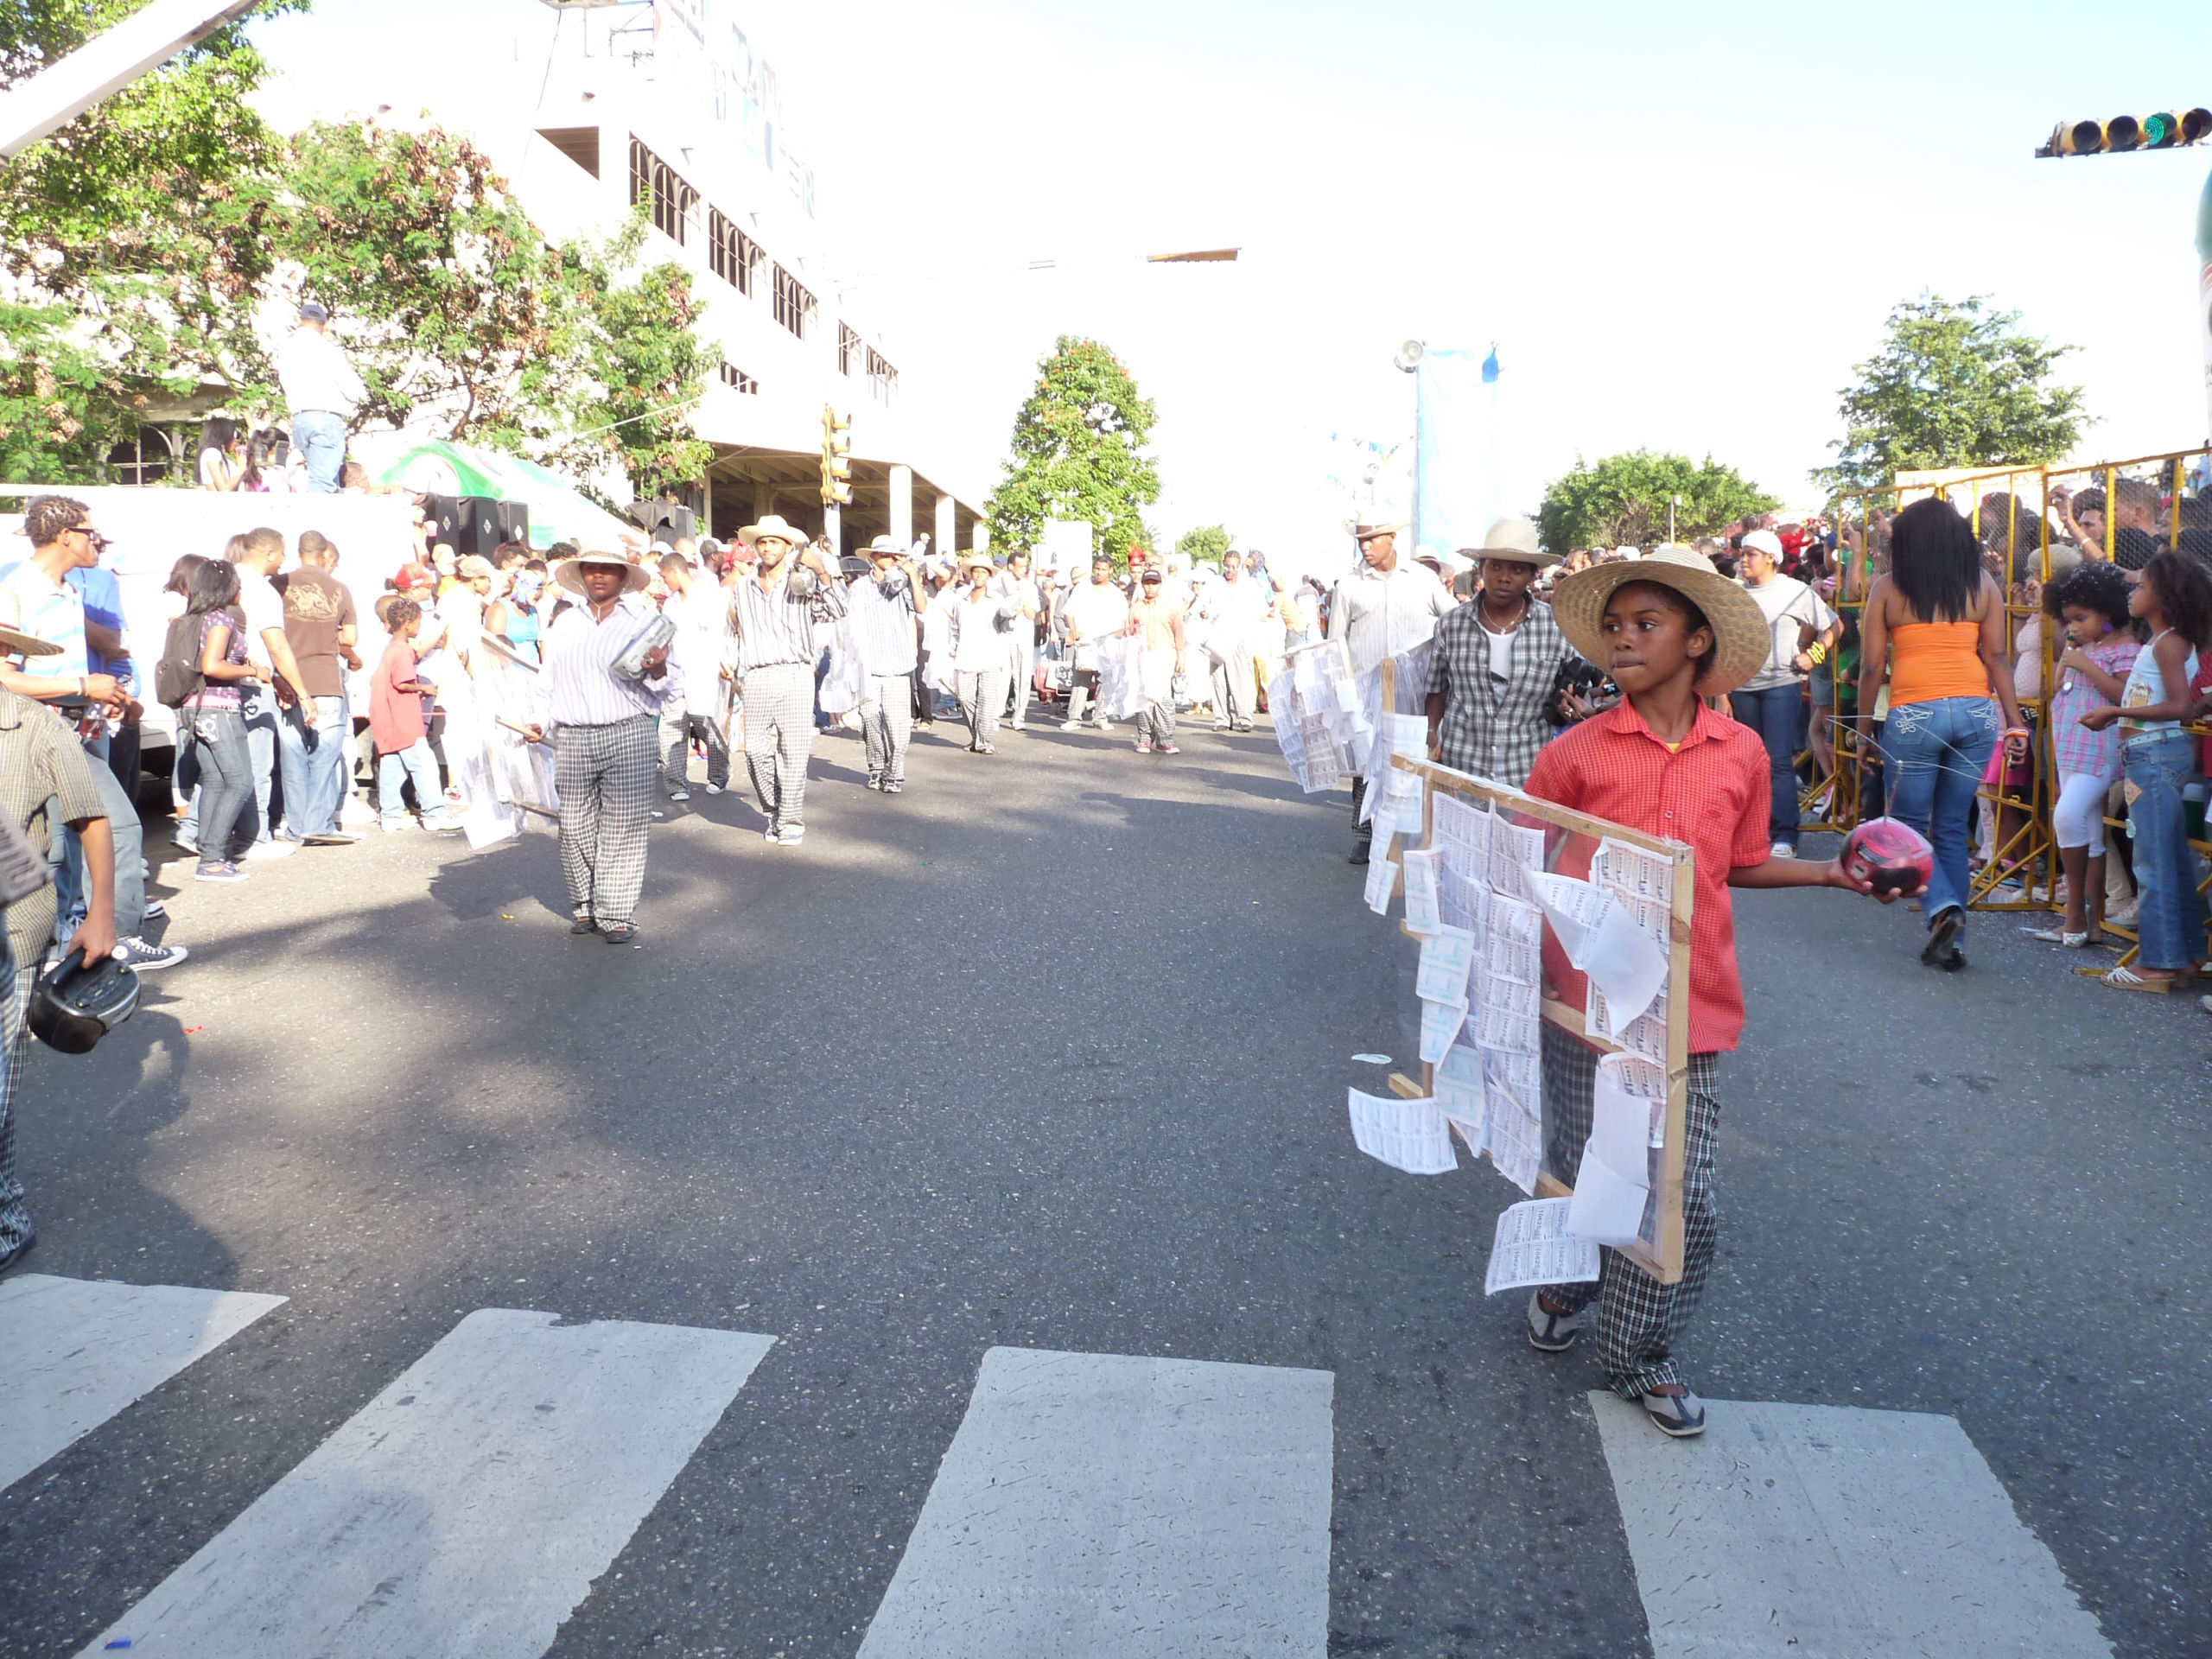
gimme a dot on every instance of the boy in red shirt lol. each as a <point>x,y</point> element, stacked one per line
<point>1671,631</point>
<point>396,722</point>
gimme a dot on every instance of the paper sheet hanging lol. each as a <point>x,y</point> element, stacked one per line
<point>1382,874</point>
<point>1439,1028</point>
<point>1447,955</point>
<point>1422,915</point>
<point>1407,1134</point>
<point>1532,1247</point>
<point>1600,939</point>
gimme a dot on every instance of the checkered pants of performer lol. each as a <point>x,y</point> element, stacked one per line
<point>778,738</point>
<point>887,723</point>
<point>1638,1317</point>
<point>14,1220</point>
<point>605,775</point>
<point>679,724</point>
<point>981,695</point>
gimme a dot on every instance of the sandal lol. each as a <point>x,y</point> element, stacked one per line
<point>2058,936</point>
<point>2126,979</point>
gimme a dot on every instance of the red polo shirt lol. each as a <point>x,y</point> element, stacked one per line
<point>1712,792</point>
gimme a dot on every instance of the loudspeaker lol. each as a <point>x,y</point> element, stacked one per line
<point>487,521</point>
<point>442,521</point>
<point>666,521</point>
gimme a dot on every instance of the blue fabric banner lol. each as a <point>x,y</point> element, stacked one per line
<point>1456,448</point>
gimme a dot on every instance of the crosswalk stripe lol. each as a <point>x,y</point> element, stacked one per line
<point>1121,1507</point>
<point>467,1509</point>
<point>1828,1532</point>
<point>78,1350</point>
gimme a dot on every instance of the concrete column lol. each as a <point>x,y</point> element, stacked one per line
<point>833,527</point>
<point>981,541</point>
<point>902,505</point>
<point>942,538</point>
<point>763,502</point>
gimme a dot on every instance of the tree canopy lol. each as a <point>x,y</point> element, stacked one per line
<point>1077,452</point>
<point>1623,501</point>
<point>1956,384</point>
<point>1206,542</point>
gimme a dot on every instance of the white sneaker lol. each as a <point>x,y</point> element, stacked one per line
<point>2126,915</point>
<point>1782,849</point>
<point>679,794</point>
<point>714,789</point>
<point>791,834</point>
<point>266,850</point>
<point>774,834</point>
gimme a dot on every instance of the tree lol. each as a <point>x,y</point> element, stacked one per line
<point>1623,501</point>
<point>1078,452</point>
<point>1206,542</point>
<point>1955,384</point>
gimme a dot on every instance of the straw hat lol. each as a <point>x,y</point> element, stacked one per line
<point>1514,539</point>
<point>1742,639</point>
<point>15,644</point>
<point>570,575</point>
<point>1369,532</point>
<point>773,525</point>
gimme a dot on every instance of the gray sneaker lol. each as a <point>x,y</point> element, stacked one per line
<point>1550,1332</point>
<point>1674,1410</point>
<point>142,956</point>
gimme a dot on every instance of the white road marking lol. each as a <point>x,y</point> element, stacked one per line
<point>78,1350</point>
<point>467,1509</point>
<point>1818,1532</point>
<point>1121,1507</point>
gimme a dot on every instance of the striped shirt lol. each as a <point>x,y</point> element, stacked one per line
<point>1378,614</point>
<point>882,628</point>
<point>577,684</point>
<point>774,627</point>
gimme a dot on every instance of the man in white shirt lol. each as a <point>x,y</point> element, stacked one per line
<point>1015,586</point>
<point>699,610</point>
<point>881,618</point>
<point>1097,611</point>
<point>322,392</point>
<point>1381,609</point>
<point>1772,701</point>
<point>1232,608</point>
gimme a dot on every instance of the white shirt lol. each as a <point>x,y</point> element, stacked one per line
<point>1786,603</point>
<point>264,609</point>
<point>577,684</point>
<point>881,628</point>
<point>1234,607</point>
<point>1378,616</point>
<point>702,639</point>
<point>315,375</point>
<point>1097,610</point>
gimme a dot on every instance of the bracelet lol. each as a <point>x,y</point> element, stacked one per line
<point>1817,654</point>
<point>2016,731</point>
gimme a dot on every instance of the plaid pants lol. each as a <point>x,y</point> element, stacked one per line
<point>779,739</point>
<point>679,724</point>
<point>605,775</point>
<point>981,695</point>
<point>16,1227</point>
<point>887,721</point>
<point>1638,1317</point>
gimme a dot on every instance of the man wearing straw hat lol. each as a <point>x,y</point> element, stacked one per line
<point>1383,607</point>
<point>1671,631</point>
<point>775,606</point>
<point>1496,662</point>
<point>605,725</point>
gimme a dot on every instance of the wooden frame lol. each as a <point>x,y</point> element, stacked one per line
<point>1661,1256</point>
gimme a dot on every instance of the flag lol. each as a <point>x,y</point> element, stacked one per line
<point>1489,368</point>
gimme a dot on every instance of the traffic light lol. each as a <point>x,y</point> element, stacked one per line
<point>2162,131</point>
<point>836,458</point>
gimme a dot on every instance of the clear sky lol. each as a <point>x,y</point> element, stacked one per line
<point>1681,225</point>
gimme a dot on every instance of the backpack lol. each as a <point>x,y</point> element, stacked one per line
<point>176,675</point>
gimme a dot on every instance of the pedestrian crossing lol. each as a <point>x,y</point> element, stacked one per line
<point>1114,1506</point>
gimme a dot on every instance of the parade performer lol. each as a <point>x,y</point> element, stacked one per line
<point>1670,630</point>
<point>1383,607</point>
<point>1496,665</point>
<point>885,605</point>
<point>775,606</point>
<point>604,726</point>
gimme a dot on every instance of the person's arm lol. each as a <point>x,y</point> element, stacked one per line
<point>1873,659</point>
<point>95,935</point>
<point>1997,661</point>
<point>1803,873</point>
<point>106,640</point>
<point>1175,625</point>
<point>288,666</point>
<point>2171,655</point>
<point>1337,617</point>
<point>214,657</point>
<point>2108,686</point>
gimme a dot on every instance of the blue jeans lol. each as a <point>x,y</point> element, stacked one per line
<point>314,766</point>
<point>68,855</point>
<point>320,437</point>
<point>225,777</point>
<point>1772,712</point>
<point>1934,754</point>
<point>416,764</point>
<point>2169,922</point>
<point>260,716</point>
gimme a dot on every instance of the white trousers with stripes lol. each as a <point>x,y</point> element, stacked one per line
<point>779,738</point>
<point>605,775</point>
<point>886,723</point>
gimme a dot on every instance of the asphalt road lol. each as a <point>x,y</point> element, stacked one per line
<point>1051,1052</point>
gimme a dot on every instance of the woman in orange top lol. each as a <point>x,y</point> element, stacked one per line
<point>1936,623</point>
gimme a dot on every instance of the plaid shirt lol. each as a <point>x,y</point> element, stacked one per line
<point>1712,792</point>
<point>2074,745</point>
<point>1491,730</point>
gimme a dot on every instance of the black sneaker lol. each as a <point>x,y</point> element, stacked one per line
<point>1674,1410</point>
<point>1358,855</point>
<point>1550,1332</point>
<point>583,924</point>
<point>1942,949</point>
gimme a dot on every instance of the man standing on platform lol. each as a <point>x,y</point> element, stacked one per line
<point>1383,607</point>
<point>1495,665</point>
<point>605,752</point>
<point>322,390</point>
<point>775,605</point>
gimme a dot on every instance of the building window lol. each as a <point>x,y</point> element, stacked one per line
<point>579,144</point>
<point>144,460</point>
<point>654,182</point>
<point>739,380</point>
<point>882,378</point>
<point>849,346</point>
<point>733,255</point>
<point>794,305</point>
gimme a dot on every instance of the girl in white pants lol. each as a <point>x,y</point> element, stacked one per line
<point>2090,601</point>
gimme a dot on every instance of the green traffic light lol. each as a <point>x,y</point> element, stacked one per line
<point>2159,130</point>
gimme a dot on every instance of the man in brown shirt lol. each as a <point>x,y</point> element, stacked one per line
<point>319,625</point>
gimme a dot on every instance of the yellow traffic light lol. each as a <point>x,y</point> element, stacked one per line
<point>2165,129</point>
<point>836,458</point>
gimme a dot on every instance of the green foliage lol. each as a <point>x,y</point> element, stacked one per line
<point>1623,501</point>
<point>1955,384</point>
<point>1079,452</point>
<point>1206,542</point>
<point>57,400</point>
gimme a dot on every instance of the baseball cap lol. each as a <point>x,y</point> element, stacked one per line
<point>1763,541</point>
<point>314,311</point>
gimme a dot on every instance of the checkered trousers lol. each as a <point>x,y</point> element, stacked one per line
<point>605,775</point>
<point>779,739</point>
<point>1638,1317</point>
<point>886,723</point>
<point>15,988</point>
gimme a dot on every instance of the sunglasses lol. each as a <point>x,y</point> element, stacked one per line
<point>100,544</point>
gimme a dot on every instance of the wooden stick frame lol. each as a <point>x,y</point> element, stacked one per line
<point>1662,1259</point>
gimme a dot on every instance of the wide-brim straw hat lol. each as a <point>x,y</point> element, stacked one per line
<point>15,644</point>
<point>1369,532</point>
<point>1742,640</point>
<point>1515,539</point>
<point>774,524</point>
<point>569,573</point>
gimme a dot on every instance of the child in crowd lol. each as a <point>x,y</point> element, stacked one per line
<point>395,720</point>
<point>2091,603</point>
<point>1670,630</point>
<point>2173,602</point>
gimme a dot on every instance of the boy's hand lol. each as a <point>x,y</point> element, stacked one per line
<point>95,938</point>
<point>534,731</point>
